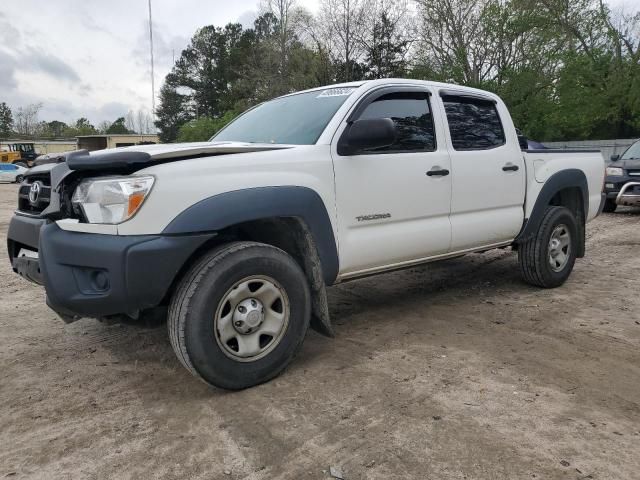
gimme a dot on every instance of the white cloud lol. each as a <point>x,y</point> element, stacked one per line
<point>91,59</point>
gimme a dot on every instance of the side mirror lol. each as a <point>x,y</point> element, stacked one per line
<point>366,135</point>
<point>523,141</point>
<point>615,157</point>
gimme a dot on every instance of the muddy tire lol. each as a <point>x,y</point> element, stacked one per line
<point>547,259</point>
<point>240,315</point>
<point>610,206</point>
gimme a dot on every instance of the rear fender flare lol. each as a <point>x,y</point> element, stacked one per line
<point>570,178</point>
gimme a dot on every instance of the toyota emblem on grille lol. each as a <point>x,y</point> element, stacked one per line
<point>34,192</point>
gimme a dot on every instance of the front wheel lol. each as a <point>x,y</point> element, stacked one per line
<point>239,316</point>
<point>547,259</point>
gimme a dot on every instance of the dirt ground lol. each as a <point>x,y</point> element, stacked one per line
<point>456,370</point>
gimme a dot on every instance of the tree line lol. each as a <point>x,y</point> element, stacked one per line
<point>24,123</point>
<point>567,70</point>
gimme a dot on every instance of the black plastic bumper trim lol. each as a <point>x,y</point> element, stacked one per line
<point>25,230</point>
<point>95,275</point>
<point>28,268</point>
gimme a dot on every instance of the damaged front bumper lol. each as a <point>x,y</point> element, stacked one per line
<point>97,275</point>
<point>22,242</point>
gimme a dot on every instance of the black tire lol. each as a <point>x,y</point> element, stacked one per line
<point>198,296</point>
<point>610,206</point>
<point>19,178</point>
<point>533,255</point>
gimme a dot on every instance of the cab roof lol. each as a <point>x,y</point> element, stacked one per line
<point>401,81</point>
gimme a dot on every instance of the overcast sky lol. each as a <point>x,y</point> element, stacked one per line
<point>91,57</point>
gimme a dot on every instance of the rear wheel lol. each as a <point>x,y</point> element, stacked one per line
<point>239,316</point>
<point>610,206</point>
<point>547,259</point>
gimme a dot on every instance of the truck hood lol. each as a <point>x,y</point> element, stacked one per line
<point>125,161</point>
<point>134,158</point>
<point>172,150</point>
<point>626,164</point>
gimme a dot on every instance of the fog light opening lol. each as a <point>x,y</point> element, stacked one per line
<point>100,280</point>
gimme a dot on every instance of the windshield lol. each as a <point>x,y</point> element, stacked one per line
<point>25,147</point>
<point>296,119</point>
<point>633,152</point>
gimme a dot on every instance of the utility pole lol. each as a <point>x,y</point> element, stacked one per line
<point>153,84</point>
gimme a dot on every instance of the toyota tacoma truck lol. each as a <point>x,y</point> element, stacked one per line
<point>622,183</point>
<point>239,237</point>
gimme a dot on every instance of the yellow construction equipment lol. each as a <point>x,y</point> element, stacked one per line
<point>18,153</point>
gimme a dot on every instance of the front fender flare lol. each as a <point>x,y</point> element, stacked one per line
<point>231,208</point>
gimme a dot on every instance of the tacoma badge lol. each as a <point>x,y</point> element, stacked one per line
<point>374,216</point>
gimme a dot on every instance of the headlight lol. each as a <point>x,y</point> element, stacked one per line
<point>615,171</point>
<point>111,200</point>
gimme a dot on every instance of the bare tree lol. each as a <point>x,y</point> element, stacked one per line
<point>453,37</point>
<point>341,25</point>
<point>103,126</point>
<point>284,13</point>
<point>387,37</point>
<point>143,122</point>
<point>26,119</point>
<point>626,30</point>
<point>129,121</point>
<point>477,41</point>
<point>149,127</point>
<point>593,27</point>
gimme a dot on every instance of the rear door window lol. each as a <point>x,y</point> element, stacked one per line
<point>474,124</point>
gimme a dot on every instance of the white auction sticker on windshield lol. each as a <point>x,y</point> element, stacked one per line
<point>337,92</point>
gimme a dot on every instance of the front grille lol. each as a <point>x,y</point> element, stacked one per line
<point>26,203</point>
<point>635,173</point>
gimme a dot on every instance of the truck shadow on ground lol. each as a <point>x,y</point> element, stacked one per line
<point>473,308</point>
<point>425,286</point>
<point>396,301</point>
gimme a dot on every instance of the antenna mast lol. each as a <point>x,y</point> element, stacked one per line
<point>153,86</point>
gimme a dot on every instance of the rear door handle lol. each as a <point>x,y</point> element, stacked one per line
<point>509,167</point>
<point>438,173</point>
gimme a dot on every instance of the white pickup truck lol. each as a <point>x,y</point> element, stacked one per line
<point>238,237</point>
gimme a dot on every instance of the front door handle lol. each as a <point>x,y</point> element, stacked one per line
<point>438,173</point>
<point>509,167</point>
